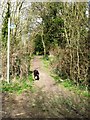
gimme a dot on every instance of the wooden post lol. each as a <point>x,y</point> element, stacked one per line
<point>8,50</point>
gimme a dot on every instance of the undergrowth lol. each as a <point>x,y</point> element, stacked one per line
<point>18,85</point>
<point>67,83</point>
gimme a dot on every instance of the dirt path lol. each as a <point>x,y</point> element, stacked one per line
<point>48,100</point>
<point>45,82</point>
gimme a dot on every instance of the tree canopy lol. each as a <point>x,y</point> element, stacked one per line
<point>46,28</point>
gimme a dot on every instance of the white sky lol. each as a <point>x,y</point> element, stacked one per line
<point>50,0</point>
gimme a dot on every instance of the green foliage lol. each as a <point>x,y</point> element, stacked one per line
<point>46,61</point>
<point>80,89</point>
<point>46,57</point>
<point>38,45</point>
<point>56,78</point>
<point>53,25</point>
<point>67,83</point>
<point>18,86</point>
<point>5,25</point>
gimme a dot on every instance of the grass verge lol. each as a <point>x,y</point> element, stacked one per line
<point>67,83</point>
<point>18,86</point>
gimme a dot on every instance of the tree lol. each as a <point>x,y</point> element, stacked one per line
<point>4,34</point>
<point>51,24</point>
<point>20,53</point>
<point>5,25</point>
<point>71,57</point>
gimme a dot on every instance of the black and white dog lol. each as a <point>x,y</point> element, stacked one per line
<point>36,74</point>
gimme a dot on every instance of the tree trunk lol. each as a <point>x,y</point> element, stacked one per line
<point>44,47</point>
<point>78,69</point>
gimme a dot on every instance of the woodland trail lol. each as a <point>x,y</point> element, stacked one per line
<point>46,82</point>
<point>48,100</point>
